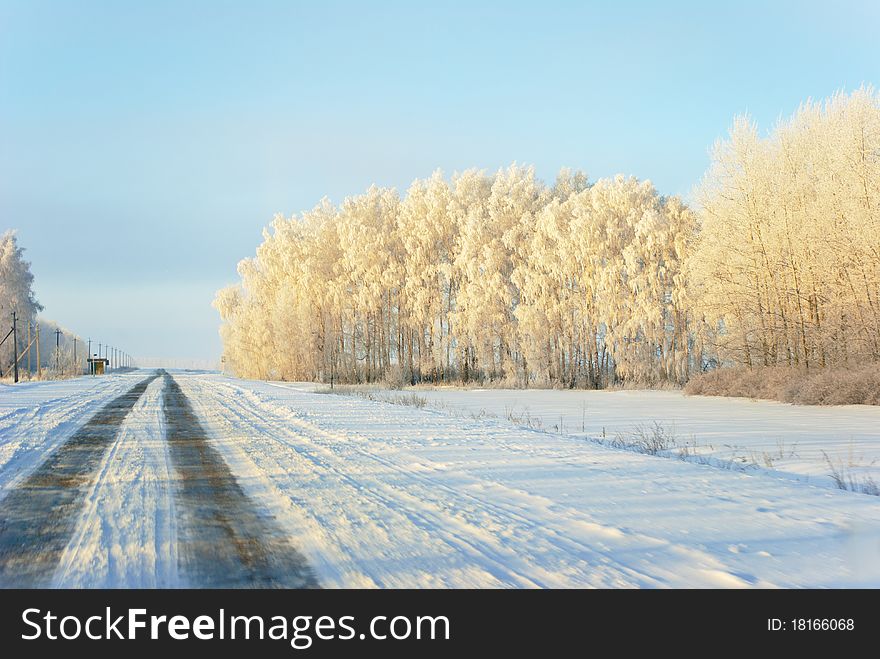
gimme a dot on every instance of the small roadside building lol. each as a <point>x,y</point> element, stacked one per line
<point>97,365</point>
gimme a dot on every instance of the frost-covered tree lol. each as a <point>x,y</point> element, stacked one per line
<point>787,266</point>
<point>480,277</point>
<point>495,232</point>
<point>429,239</point>
<point>58,355</point>
<point>16,293</point>
<point>602,292</point>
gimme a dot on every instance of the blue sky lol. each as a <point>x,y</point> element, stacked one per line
<point>165,135</point>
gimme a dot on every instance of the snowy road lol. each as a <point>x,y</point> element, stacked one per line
<point>225,541</point>
<point>37,518</point>
<point>62,524</point>
<point>213,481</point>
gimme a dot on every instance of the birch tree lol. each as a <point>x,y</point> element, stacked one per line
<point>787,265</point>
<point>484,277</point>
<point>16,292</point>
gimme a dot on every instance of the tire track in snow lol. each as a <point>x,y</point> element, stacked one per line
<point>223,542</point>
<point>551,545</point>
<point>31,432</point>
<point>419,524</point>
<point>420,521</point>
<point>126,534</point>
<point>38,517</point>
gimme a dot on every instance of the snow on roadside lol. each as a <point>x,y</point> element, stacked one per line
<point>745,434</point>
<point>377,494</point>
<point>35,417</point>
<point>126,534</point>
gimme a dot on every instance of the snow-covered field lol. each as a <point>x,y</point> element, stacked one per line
<point>791,441</point>
<point>375,494</point>
<point>386,495</point>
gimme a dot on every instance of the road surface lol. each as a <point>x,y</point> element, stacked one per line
<point>189,479</point>
<point>223,540</point>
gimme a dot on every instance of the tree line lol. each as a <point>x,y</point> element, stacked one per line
<point>788,260</point>
<point>16,295</point>
<point>55,355</point>
<point>582,284</point>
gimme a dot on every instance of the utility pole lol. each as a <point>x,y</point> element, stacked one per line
<point>15,343</point>
<point>39,363</point>
<point>89,358</point>
<point>30,371</point>
<point>75,365</point>
<point>58,351</point>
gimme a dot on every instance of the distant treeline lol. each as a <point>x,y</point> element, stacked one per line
<point>500,277</point>
<point>64,354</point>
